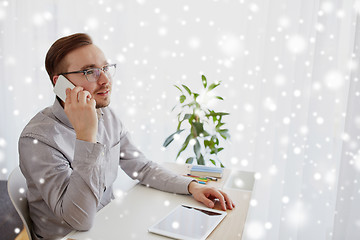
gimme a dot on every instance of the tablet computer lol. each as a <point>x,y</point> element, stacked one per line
<point>188,222</point>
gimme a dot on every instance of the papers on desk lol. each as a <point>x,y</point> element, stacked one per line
<point>188,222</point>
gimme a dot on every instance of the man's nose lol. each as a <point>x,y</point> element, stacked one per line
<point>103,78</point>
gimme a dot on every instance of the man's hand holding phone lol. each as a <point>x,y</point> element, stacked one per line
<point>80,108</point>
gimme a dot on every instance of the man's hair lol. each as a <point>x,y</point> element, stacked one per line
<point>54,63</point>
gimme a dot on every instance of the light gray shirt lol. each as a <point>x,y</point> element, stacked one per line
<point>69,180</point>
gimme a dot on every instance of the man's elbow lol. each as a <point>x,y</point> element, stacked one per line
<point>79,218</point>
<point>82,223</point>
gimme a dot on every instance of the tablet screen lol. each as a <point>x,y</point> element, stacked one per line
<point>188,222</point>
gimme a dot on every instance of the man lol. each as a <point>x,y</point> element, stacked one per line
<point>70,152</point>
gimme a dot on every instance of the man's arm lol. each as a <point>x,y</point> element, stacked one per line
<point>71,192</point>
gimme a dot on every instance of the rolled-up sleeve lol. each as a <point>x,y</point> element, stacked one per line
<point>149,173</point>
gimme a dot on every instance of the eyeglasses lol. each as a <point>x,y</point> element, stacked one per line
<point>93,74</point>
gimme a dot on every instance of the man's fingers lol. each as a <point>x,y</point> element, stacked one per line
<point>219,196</point>
<point>84,96</point>
<point>74,94</point>
<point>229,202</point>
<point>207,201</point>
<point>68,98</point>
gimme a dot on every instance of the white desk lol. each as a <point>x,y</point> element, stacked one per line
<point>129,216</point>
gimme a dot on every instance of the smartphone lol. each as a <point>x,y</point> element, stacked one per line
<point>61,85</point>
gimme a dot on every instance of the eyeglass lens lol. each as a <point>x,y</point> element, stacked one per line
<point>93,75</point>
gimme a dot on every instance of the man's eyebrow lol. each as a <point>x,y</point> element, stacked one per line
<point>88,66</point>
<point>92,65</point>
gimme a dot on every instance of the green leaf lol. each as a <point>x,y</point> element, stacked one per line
<point>204,81</point>
<point>178,88</point>
<point>216,150</point>
<point>218,97</point>
<point>197,149</point>
<point>200,160</point>
<point>182,98</point>
<point>195,95</point>
<point>224,133</point>
<point>199,128</point>
<point>186,116</point>
<point>221,165</point>
<point>184,146</point>
<point>213,85</point>
<point>219,125</point>
<point>171,138</point>
<point>187,89</point>
<point>213,161</point>
<point>189,160</point>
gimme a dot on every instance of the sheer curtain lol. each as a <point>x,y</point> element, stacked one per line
<point>289,72</point>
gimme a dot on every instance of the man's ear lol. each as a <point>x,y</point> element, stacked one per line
<point>55,78</point>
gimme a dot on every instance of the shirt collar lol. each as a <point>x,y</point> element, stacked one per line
<point>60,114</point>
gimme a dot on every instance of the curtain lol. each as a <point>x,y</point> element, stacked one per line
<point>289,72</point>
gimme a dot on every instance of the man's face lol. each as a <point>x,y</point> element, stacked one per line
<point>89,56</point>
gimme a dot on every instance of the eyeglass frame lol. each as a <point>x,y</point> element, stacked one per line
<point>85,71</point>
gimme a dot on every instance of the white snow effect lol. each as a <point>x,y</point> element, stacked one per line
<point>244,162</point>
<point>327,7</point>
<point>356,161</point>
<point>286,120</point>
<point>239,182</point>
<point>253,202</point>
<point>270,104</point>
<point>334,80</point>
<point>317,176</point>
<point>254,230</point>
<point>2,14</point>
<point>296,215</point>
<point>357,7</point>
<point>279,80</point>
<point>297,150</point>
<point>248,107</point>
<point>194,42</point>
<point>2,142</point>
<point>234,160</point>
<point>284,22</point>
<point>91,24</point>
<point>254,7</point>
<point>285,199</point>
<point>296,44</point>
<point>230,45</point>
<point>175,225</point>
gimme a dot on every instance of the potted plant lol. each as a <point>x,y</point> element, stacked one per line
<point>203,126</point>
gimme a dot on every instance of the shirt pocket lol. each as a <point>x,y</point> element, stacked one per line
<point>113,158</point>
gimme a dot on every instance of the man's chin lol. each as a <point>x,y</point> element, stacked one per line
<point>102,104</point>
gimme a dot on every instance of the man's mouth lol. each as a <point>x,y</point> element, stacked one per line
<point>103,92</point>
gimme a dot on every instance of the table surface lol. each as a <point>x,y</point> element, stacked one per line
<point>132,213</point>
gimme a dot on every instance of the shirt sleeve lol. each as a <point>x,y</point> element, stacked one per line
<point>149,173</point>
<point>72,191</point>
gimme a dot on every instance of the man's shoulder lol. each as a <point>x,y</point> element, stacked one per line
<point>41,124</point>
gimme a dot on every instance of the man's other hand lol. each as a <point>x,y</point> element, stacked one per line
<point>207,195</point>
